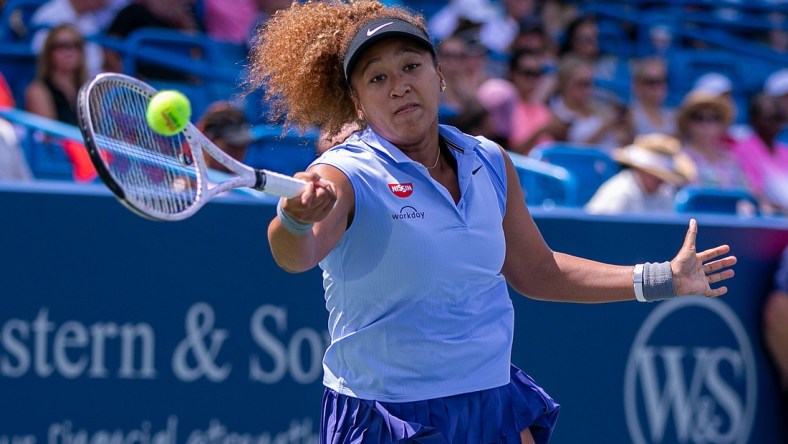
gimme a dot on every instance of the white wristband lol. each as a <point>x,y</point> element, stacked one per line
<point>638,281</point>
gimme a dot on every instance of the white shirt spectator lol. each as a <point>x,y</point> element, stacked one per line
<point>624,194</point>
<point>13,166</point>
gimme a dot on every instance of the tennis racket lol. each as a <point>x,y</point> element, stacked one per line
<point>158,177</point>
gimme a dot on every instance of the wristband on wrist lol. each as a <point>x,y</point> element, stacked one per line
<point>638,281</point>
<point>657,282</point>
<point>290,224</point>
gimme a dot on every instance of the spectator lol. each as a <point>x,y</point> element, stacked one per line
<point>532,121</point>
<point>61,71</point>
<point>230,22</point>
<point>150,14</point>
<point>582,41</point>
<point>655,167</point>
<point>763,158</point>
<point>13,166</point>
<point>503,29</point>
<point>534,39</point>
<point>650,87</point>
<point>590,121</point>
<point>498,97</point>
<point>775,323</point>
<point>226,126</point>
<point>702,121</point>
<point>777,86</point>
<point>154,13</point>
<point>718,85</point>
<point>464,68</point>
<point>88,16</point>
<point>53,93</point>
<point>461,15</point>
<point>6,95</point>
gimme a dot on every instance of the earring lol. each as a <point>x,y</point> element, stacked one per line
<point>443,85</point>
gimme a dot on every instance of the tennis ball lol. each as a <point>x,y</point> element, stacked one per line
<point>168,112</point>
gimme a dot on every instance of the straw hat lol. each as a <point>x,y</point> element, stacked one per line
<point>696,99</point>
<point>660,155</point>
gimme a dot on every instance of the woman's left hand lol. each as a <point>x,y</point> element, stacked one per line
<point>693,272</point>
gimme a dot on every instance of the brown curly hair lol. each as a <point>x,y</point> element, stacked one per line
<point>297,60</point>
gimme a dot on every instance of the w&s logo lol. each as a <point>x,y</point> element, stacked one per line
<point>690,376</point>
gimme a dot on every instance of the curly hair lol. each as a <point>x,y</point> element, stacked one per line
<point>297,60</point>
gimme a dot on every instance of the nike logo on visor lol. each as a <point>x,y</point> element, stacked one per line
<point>371,32</point>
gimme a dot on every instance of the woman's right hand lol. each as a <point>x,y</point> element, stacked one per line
<point>315,203</point>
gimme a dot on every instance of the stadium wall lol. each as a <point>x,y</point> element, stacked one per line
<point>116,329</point>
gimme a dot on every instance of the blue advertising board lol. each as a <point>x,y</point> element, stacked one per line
<point>116,329</point>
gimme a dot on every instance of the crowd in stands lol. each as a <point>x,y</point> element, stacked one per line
<point>526,73</point>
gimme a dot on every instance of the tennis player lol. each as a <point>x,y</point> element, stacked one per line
<point>418,228</point>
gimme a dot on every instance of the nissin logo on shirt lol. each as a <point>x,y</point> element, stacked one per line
<point>401,189</point>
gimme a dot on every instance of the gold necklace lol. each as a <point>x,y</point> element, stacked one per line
<point>437,159</point>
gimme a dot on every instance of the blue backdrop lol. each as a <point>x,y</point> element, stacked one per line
<point>112,332</point>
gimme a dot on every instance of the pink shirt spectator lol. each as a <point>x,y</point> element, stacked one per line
<point>527,119</point>
<point>230,21</point>
<point>722,171</point>
<point>758,163</point>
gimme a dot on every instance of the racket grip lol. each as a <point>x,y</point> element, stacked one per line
<point>278,184</point>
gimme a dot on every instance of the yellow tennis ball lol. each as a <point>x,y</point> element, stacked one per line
<point>168,112</point>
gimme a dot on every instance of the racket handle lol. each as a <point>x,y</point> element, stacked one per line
<point>278,184</point>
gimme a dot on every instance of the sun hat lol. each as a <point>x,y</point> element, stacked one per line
<point>700,99</point>
<point>659,155</point>
<point>777,83</point>
<point>713,83</point>
<point>378,30</point>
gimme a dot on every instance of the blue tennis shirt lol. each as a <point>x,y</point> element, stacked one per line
<point>418,308</point>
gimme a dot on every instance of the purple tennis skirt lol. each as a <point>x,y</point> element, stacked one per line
<point>496,415</point>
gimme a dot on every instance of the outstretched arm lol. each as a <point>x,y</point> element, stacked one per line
<point>326,204</point>
<point>533,269</point>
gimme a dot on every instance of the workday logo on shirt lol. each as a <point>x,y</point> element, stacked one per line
<point>692,385</point>
<point>401,190</point>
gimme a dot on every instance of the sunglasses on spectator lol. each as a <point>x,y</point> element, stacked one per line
<point>66,45</point>
<point>530,72</point>
<point>653,81</point>
<point>706,118</point>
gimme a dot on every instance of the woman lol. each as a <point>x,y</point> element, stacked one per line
<point>590,121</point>
<point>415,226</point>
<point>465,71</point>
<point>702,123</point>
<point>650,87</point>
<point>763,158</point>
<point>62,69</point>
<point>532,121</point>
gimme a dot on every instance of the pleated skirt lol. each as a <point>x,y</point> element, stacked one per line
<point>491,416</point>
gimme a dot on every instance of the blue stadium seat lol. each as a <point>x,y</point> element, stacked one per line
<point>18,66</point>
<point>699,199</point>
<point>545,184</point>
<point>285,152</point>
<point>589,165</point>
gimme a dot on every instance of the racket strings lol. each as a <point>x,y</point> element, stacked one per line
<point>158,172</point>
